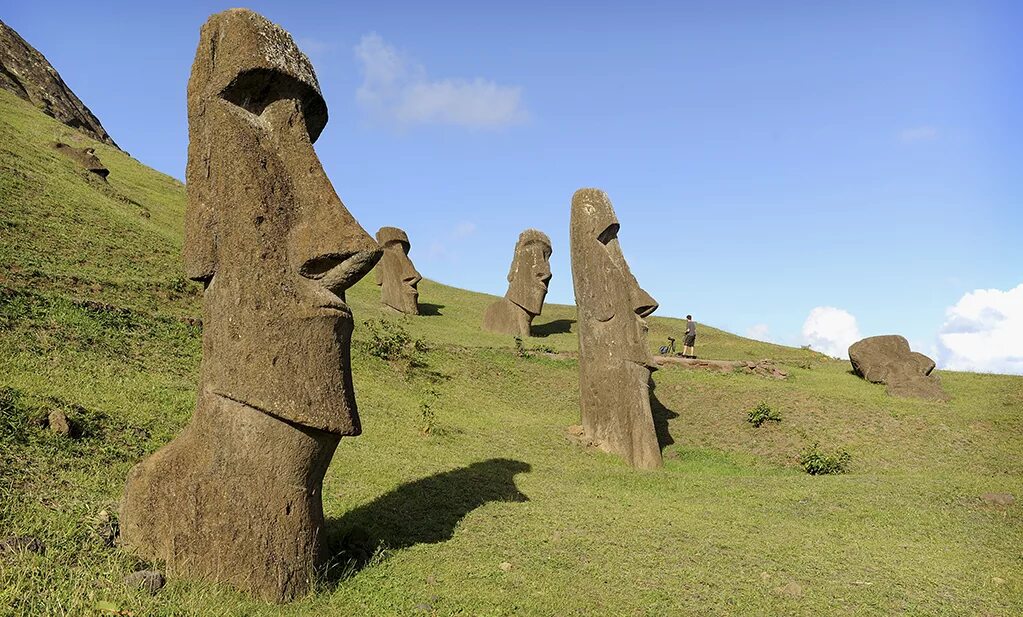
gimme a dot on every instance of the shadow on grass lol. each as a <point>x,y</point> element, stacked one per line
<point>661,416</point>
<point>558,326</point>
<point>425,511</point>
<point>430,310</point>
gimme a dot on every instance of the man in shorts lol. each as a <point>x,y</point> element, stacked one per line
<point>690,338</point>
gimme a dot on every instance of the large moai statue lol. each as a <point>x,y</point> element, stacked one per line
<point>614,361</point>
<point>236,497</point>
<point>527,287</point>
<point>396,275</point>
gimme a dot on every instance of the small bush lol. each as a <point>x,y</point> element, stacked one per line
<point>762,413</point>
<point>520,349</point>
<point>817,463</point>
<point>428,417</point>
<point>390,341</point>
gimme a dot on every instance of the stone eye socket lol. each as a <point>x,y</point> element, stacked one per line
<point>256,89</point>
<point>609,234</point>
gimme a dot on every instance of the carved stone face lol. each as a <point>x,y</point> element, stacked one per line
<point>266,232</point>
<point>614,361</point>
<point>396,275</point>
<point>530,271</point>
<point>606,291</point>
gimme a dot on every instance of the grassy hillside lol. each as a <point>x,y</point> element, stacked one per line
<point>97,320</point>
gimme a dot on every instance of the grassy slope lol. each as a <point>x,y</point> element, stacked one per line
<point>727,521</point>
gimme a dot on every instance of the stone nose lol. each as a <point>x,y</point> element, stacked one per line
<point>412,278</point>
<point>643,303</point>
<point>338,272</point>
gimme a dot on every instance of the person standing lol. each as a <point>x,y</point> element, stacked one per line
<point>689,342</point>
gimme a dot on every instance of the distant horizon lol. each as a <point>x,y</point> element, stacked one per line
<point>800,175</point>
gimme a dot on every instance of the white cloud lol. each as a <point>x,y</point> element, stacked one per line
<point>759,332</point>
<point>983,332</point>
<point>442,248</point>
<point>313,47</point>
<point>830,330</point>
<point>464,230</point>
<point>918,133</point>
<point>397,89</point>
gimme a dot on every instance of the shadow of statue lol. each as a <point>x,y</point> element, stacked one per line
<point>661,416</point>
<point>425,511</point>
<point>558,326</point>
<point>430,310</point>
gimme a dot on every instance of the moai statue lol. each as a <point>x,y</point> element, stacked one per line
<point>396,275</point>
<point>236,497</point>
<point>527,287</point>
<point>614,362</point>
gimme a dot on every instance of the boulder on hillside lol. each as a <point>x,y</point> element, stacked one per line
<point>28,75</point>
<point>889,360</point>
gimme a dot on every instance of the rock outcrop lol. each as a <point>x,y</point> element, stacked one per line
<point>889,360</point>
<point>527,287</point>
<point>236,497</point>
<point>27,74</point>
<point>614,361</point>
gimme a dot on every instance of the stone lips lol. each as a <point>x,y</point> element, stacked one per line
<point>28,75</point>
<point>528,279</point>
<point>889,360</point>
<point>395,274</point>
<point>614,361</point>
<point>236,497</point>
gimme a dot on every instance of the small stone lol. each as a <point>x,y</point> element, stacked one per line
<point>792,589</point>
<point>59,423</point>
<point>423,606</point>
<point>505,566</point>
<point>146,580</point>
<point>998,499</point>
<point>22,544</point>
<point>431,580</point>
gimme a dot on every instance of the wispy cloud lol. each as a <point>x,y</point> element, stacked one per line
<point>313,46</point>
<point>983,332</point>
<point>759,332</point>
<point>443,248</point>
<point>397,89</point>
<point>917,134</point>
<point>830,330</point>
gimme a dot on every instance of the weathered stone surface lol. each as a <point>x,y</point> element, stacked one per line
<point>58,423</point>
<point>85,157</point>
<point>22,544</point>
<point>764,368</point>
<point>236,497</point>
<point>527,287</point>
<point>614,361</point>
<point>150,581</point>
<point>395,274</point>
<point>888,360</point>
<point>28,75</point>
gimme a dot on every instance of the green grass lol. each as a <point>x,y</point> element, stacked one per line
<point>94,320</point>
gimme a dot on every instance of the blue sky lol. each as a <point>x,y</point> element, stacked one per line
<point>764,161</point>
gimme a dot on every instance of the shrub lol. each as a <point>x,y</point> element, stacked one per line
<point>817,463</point>
<point>427,416</point>
<point>762,413</point>
<point>390,341</point>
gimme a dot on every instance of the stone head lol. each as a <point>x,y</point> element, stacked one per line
<point>530,271</point>
<point>608,296</point>
<point>265,231</point>
<point>397,277</point>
